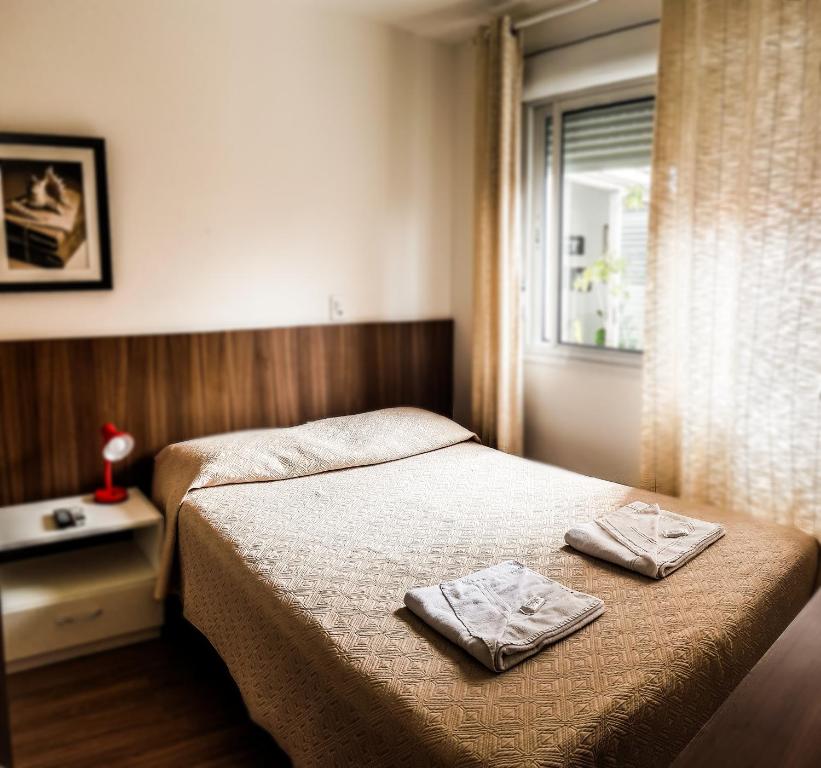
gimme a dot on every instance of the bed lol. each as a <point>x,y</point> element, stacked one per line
<point>293,549</point>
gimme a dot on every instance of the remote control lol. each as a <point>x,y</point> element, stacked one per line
<point>63,518</point>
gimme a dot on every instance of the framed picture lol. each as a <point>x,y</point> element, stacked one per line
<point>575,245</point>
<point>54,207</point>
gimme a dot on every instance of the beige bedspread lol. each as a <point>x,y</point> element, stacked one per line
<point>298,583</point>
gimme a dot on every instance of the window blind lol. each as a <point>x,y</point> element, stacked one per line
<point>608,138</point>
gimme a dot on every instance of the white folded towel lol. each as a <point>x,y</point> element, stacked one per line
<point>503,614</point>
<point>644,538</point>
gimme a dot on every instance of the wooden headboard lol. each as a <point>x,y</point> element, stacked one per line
<point>55,394</point>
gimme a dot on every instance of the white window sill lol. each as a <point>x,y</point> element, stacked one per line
<point>566,354</point>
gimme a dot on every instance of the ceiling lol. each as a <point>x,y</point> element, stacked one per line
<point>456,20</point>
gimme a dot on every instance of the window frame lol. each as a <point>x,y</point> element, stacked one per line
<point>543,305</point>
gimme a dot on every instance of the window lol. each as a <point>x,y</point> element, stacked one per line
<point>589,180</point>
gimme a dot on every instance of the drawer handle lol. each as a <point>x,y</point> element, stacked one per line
<point>78,618</point>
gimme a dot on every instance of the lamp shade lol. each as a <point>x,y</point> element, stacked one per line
<point>116,443</point>
<point>116,446</point>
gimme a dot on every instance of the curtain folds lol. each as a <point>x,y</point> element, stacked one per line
<point>496,396</point>
<point>732,387</point>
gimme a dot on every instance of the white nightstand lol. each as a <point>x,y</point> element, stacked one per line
<point>72,591</point>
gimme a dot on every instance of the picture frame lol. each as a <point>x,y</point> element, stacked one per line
<point>54,225</point>
<point>575,245</point>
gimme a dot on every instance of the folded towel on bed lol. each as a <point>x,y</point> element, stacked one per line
<point>503,614</point>
<point>644,538</point>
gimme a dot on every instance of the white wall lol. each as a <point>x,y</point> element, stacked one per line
<point>581,415</point>
<point>584,416</point>
<point>261,155</point>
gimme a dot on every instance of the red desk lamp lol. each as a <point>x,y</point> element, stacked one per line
<point>116,446</point>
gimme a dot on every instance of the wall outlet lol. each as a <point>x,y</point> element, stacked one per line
<point>336,308</point>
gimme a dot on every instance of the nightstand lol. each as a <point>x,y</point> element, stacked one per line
<point>73,591</point>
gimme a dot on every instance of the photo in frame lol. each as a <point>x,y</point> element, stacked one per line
<point>54,233</point>
<point>575,245</point>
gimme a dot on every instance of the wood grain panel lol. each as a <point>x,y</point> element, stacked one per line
<point>55,394</point>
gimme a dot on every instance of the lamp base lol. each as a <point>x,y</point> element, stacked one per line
<point>112,495</point>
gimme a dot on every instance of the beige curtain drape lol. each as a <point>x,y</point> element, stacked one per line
<point>497,380</point>
<point>732,386</point>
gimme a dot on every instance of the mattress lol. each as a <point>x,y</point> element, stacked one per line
<point>295,548</point>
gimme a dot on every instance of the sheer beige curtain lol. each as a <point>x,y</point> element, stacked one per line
<point>496,378</point>
<point>733,338</point>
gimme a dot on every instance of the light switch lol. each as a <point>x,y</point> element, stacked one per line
<point>336,308</point>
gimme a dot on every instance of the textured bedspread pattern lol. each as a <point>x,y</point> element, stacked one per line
<point>299,582</point>
<point>269,455</point>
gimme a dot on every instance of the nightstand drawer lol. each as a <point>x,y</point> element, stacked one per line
<point>71,603</point>
<point>41,630</point>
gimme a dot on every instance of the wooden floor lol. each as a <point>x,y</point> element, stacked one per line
<point>167,702</point>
